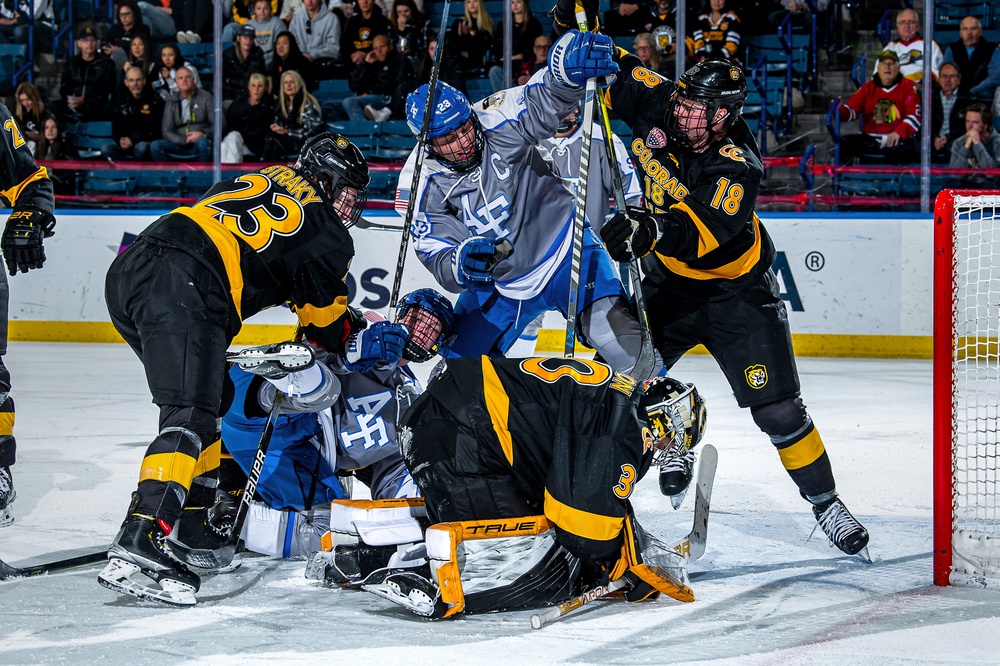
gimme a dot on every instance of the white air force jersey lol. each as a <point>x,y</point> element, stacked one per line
<point>564,154</point>
<point>513,194</point>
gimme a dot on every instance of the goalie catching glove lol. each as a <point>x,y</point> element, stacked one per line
<point>22,238</point>
<point>629,233</point>
<point>579,56</point>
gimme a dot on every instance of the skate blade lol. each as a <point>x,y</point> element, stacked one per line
<point>216,560</point>
<point>865,555</point>
<point>7,517</point>
<point>117,576</point>
<point>678,499</point>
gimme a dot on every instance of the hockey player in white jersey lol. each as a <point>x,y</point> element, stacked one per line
<point>486,188</point>
<point>334,424</point>
<point>563,152</point>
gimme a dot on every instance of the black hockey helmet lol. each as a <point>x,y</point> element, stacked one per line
<point>716,85</point>
<point>340,170</point>
<point>676,414</point>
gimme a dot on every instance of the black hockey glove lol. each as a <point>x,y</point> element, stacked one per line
<point>564,16</point>
<point>22,238</point>
<point>622,240</point>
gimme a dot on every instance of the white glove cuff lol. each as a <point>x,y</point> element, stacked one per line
<point>299,383</point>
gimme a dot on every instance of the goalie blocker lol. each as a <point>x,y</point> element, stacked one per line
<point>492,444</point>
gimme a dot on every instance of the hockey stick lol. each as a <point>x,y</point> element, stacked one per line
<point>691,547</point>
<point>8,572</point>
<point>397,280</point>
<point>580,216</point>
<point>364,223</point>
<point>644,364</point>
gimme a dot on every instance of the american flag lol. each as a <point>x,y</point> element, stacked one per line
<point>402,197</point>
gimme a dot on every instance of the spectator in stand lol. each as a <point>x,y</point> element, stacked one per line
<point>910,48</point>
<point>245,11</point>
<point>252,114</point>
<point>716,34</point>
<point>297,119</point>
<point>159,16</point>
<point>288,57</point>
<point>241,60</point>
<point>626,17</point>
<point>541,59</point>
<point>188,123</point>
<point>470,37</point>
<point>196,21</point>
<point>798,10</point>
<point>288,10</point>
<point>947,104</point>
<point>30,113</point>
<point>976,57</point>
<point>317,32</point>
<point>361,29</point>
<point>375,82</point>
<point>451,71</point>
<point>644,46</point>
<point>523,33</point>
<point>53,146</point>
<point>409,30</point>
<point>128,24</point>
<point>88,79</point>
<point>266,27</point>
<point>165,71</point>
<point>136,119</point>
<point>980,147</point>
<point>140,55</point>
<point>889,108</point>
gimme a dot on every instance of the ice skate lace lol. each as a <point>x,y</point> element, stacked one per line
<point>837,523</point>
<point>682,463</point>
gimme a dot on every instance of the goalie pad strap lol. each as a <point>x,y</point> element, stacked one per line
<point>653,562</point>
<point>375,522</point>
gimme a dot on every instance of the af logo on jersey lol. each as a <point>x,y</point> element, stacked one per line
<point>756,376</point>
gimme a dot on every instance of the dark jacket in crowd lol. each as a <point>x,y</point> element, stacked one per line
<point>974,67</point>
<point>94,81</point>
<point>139,119</point>
<point>253,121</point>
<point>236,73</point>
<point>381,78</point>
<point>360,31</point>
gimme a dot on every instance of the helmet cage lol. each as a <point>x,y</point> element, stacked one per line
<point>430,318</point>
<point>676,415</point>
<point>715,84</point>
<point>449,115</point>
<point>335,164</point>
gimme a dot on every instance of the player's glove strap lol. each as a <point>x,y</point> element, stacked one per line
<point>22,238</point>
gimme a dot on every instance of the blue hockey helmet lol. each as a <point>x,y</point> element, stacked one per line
<point>430,318</point>
<point>451,113</point>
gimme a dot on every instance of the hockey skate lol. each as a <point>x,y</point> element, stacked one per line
<point>412,591</point>
<point>353,565</point>
<point>274,361</point>
<point>843,529</point>
<point>675,476</point>
<point>7,496</point>
<point>201,537</point>
<point>140,548</point>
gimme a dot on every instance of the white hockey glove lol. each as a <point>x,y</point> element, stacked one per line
<point>578,56</point>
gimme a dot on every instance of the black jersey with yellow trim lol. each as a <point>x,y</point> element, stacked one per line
<point>712,243</point>
<point>22,182</point>
<point>569,430</point>
<point>271,238</point>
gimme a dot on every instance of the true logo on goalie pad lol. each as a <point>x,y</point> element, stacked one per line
<point>756,376</point>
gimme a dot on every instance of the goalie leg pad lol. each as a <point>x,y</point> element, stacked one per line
<point>654,563</point>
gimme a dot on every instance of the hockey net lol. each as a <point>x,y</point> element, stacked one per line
<point>967,388</point>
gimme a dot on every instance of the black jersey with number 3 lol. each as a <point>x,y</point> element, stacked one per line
<point>271,238</point>
<point>712,245</point>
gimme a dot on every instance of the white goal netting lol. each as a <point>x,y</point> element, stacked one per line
<point>975,497</point>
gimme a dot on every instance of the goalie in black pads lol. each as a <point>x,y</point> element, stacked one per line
<point>179,294</point>
<point>28,189</point>
<point>526,467</point>
<point>707,257</point>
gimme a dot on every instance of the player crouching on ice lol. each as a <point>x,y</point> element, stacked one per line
<point>526,468</point>
<point>333,423</point>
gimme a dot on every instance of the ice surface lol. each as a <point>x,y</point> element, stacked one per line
<point>763,594</point>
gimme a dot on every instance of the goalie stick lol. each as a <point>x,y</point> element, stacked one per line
<point>691,547</point>
<point>7,572</point>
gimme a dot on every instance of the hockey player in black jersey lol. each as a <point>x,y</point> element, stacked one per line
<point>707,259</point>
<point>179,295</point>
<point>526,467</point>
<point>28,189</point>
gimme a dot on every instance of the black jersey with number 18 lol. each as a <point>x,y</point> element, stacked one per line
<point>713,245</point>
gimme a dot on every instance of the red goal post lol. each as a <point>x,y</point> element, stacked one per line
<point>967,388</point>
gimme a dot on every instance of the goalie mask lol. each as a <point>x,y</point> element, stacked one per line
<point>676,414</point>
<point>340,170</point>
<point>454,135</point>
<point>707,100</point>
<point>430,318</point>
